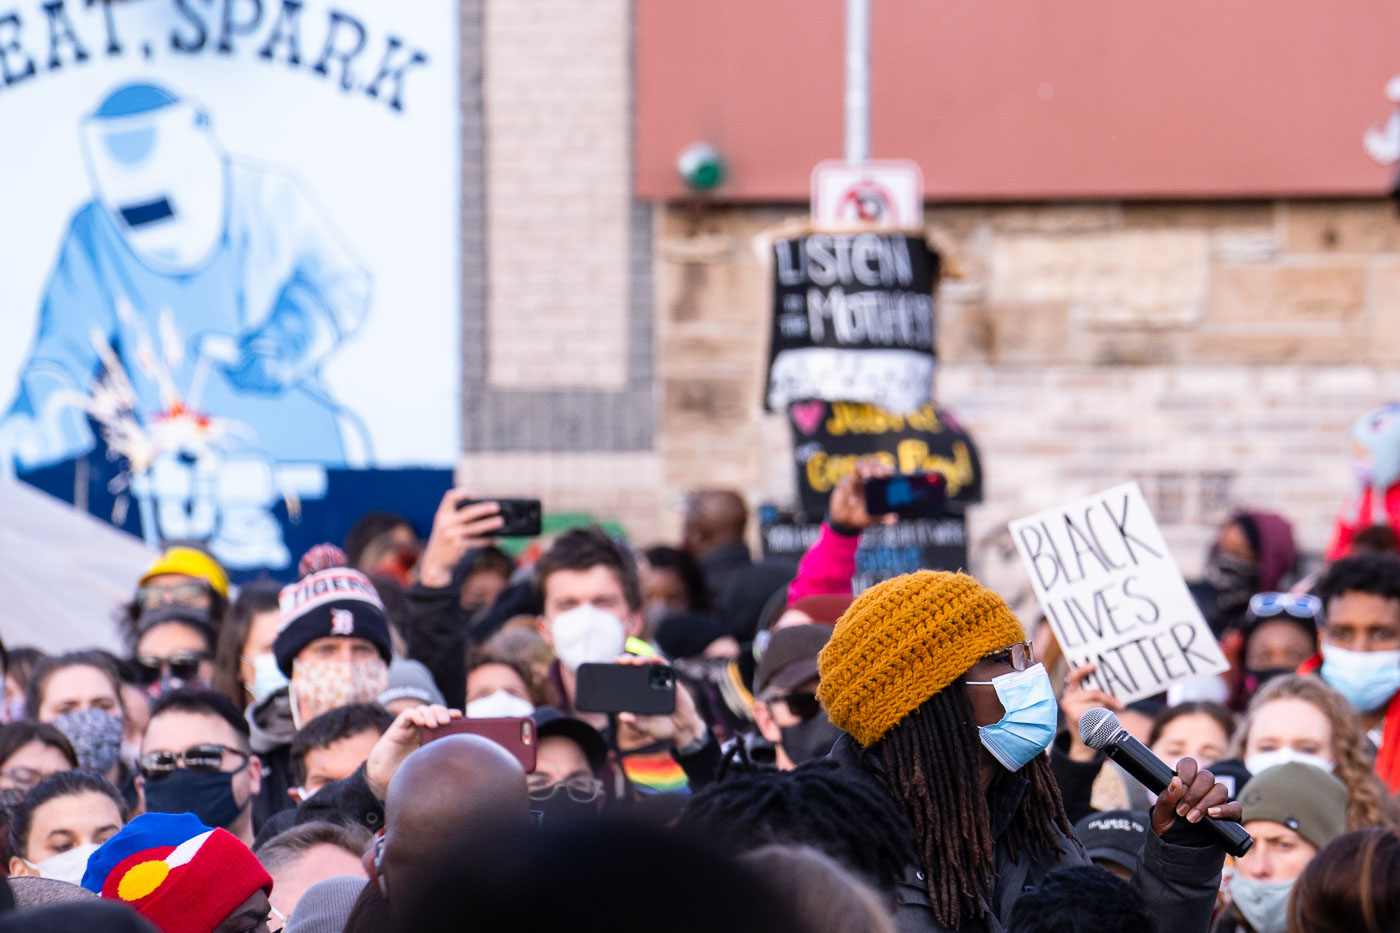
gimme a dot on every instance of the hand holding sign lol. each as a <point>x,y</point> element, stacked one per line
<point>1113,595</point>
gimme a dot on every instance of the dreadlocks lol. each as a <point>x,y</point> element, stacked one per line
<point>853,821</point>
<point>931,765</point>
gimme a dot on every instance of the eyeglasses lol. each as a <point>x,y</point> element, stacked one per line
<point>187,593</point>
<point>182,664</point>
<point>1298,605</point>
<point>157,765</point>
<point>579,789</point>
<point>1021,656</point>
<point>25,778</point>
<point>802,705</point>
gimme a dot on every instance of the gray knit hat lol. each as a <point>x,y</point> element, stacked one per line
<point>1302,797</point>
<point>410,680</point>
<point>326,905</point>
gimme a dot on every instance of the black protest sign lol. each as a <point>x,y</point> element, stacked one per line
<point>830,438</point>
<point>885,551</point>
<point>853,319</point>
<point>1113,595</point>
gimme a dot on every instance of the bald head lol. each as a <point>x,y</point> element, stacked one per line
<point>448,791</point>
<point>714,517</point>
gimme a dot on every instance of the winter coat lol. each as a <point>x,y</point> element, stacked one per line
<point>271,728</point>
<point>1178,881</point>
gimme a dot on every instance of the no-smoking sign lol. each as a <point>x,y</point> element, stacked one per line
<point>886,193</point>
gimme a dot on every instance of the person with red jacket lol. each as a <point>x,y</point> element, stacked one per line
<point>1360,649</point>
<point>1377,467</point>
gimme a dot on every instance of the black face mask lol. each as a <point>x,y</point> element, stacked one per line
<point>810,739</point>
<point>1235,580</point>
<point>557,806</point>
<point>206,794</point>
<point>1254,679</point>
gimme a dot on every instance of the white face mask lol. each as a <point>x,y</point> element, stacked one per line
<point>65,866</point>
<point>267,676</point>
<point>587,634</point>
<point>499,705</point>
<point>1262,761</point>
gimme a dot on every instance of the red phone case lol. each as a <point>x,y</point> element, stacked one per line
<point>516,734</point>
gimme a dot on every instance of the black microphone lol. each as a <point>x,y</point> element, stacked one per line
<point>1100,729</point>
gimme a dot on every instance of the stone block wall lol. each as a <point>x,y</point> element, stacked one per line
<point>1216,353</point>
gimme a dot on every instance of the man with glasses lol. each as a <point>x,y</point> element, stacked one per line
<point>1360,651</point>
<point>947,712</point>
<point>786,710</point>
<point>569,759</point>
<point>195,758</point>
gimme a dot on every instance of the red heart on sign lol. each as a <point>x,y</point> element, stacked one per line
<point>808,416</point>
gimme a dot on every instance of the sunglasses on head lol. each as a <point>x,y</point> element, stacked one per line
<point>183,664</point>
<point>156,765</point>
<point>188,593</point>
<point>1298,605</point>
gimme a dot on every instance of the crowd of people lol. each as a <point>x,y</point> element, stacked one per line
<point>289,755</point>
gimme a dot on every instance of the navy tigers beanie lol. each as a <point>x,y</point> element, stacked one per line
<point>329,601</point>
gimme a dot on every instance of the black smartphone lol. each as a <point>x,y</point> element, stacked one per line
<point>522,517</point>
<point>645,689</point>
<point>917,495</point>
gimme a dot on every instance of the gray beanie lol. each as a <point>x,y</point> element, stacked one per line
<point>1302,797</point>
<point>326,905</point>
<point>410,680</point>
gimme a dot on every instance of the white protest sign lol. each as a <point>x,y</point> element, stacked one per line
<point>1113,595</point>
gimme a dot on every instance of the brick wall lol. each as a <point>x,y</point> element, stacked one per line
<point>557,113</point>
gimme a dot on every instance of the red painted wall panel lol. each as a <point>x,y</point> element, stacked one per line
<point>1026,99</point>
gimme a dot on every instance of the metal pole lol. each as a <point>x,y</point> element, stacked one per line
<point>857,80</point>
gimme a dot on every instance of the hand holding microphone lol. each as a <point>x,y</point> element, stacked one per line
<point>1186,792</point>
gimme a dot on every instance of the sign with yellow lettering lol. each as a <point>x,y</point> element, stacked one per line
<point>829,438</point>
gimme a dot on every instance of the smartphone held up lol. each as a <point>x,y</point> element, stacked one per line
<point>521,518</point>
<point>643,689</point>
<point>916,495</point>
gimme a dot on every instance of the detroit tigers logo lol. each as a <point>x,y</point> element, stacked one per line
<point>342,622</point>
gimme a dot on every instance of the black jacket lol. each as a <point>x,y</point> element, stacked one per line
<point>1178,882</point>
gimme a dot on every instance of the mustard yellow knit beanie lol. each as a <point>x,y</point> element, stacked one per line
<point>904,640</point>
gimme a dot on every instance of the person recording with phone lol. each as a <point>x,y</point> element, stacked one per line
<point>437,626</point>
<point>830,562</point>
<point>946,711</point>
<point>592,598</point>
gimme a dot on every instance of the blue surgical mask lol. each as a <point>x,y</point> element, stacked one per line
<point>1263,903</point>
<point>1366,678</point>
<point>267,677</point>
<point>1031,717</point>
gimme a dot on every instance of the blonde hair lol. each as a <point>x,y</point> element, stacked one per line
<point>1354,761</point>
